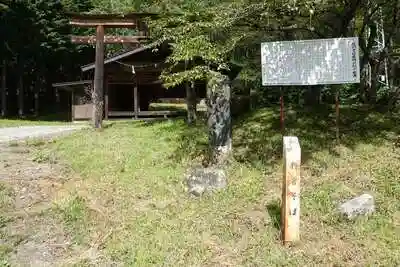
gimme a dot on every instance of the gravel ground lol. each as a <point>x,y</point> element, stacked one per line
<point>26,132</point>
<point>32,233</point>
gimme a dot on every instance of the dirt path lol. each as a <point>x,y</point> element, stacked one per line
<point>24,132</point>
<point>32,233</point>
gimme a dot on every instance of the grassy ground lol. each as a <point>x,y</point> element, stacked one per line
<point>61,119</point>
<point>56,118</point>
<point>27,122</point>
<point>130,199</point>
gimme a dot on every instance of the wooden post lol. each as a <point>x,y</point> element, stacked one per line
<point>20,93</point>
<point>3,90</point>
<point>290,216</point>
<point>136,101</point>
<point>97,95</point>
<point>337,115</point>
<point>106,99</point>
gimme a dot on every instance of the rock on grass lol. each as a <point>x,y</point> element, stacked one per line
<point>361,205</point>
<point>200,180</point>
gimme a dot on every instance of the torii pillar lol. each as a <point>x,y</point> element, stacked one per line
<point>100,22</point>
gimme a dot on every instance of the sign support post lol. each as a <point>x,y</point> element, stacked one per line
<point>282,111</point>
<point>337,110</point>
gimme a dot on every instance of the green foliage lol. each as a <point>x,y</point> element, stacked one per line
<point>42,23</point>
<point>77,6</point>
<point>216,35</point>
<point>74,214</point>
<point>196,73</point>
<point>201,33</point>
<point>205,35</point>
<point>34,44</point>
<point>74,211</point>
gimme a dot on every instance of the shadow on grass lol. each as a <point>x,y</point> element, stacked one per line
<point>257,139</point>
<point>274,211</point>
<point>52,117</point>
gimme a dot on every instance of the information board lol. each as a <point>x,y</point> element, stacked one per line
<point>311,62</point>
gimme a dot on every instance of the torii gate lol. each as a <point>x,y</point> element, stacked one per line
<point>100,22</point>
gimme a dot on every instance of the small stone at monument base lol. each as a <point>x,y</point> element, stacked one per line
<point>200,180</point>
<point>361,205</point>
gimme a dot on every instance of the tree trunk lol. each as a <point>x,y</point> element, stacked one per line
<point>365,82</point>
<point>39,84</point>
<point>372,93</point>
<point>21,94</point>
<point>3,90</point>
<point>394,86</point>
<point>219,116</point>
<point>191,102</point>
<point>97,95</point>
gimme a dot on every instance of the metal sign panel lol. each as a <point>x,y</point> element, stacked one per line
<point>311,62</point>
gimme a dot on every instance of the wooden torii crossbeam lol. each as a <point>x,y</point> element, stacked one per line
<point>100,22</point>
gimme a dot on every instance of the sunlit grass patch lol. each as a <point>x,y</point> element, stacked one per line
<point>132,193</point>
<point>27,122</point>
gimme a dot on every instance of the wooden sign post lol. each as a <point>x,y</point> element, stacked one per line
<point>290,213</point>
